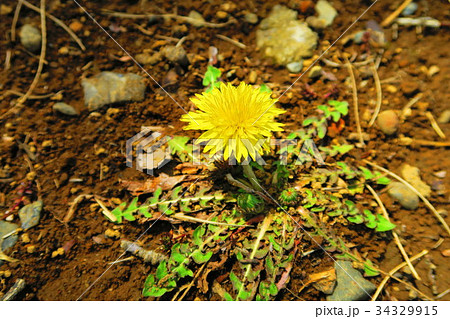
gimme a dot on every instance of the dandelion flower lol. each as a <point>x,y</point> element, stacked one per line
<point>238,121</point>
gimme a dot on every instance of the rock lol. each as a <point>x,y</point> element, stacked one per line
<point>64,108</point>
<point>444,118</point>
<point>358,37</point>
<point>388,122</point>
<point>112,233</point>
<point>326,12</point>
<point>221,14</point>
<point>445,253</point>
<point>109,87</point>
<point>412,175</point>
<point>30,214</point>
<point>434,69</point>
<point>252,77</point>
<point>410,9</point>
<point>4,9</point>
<point>409,87</point>
<point>196,16</point>
<point>5,229</point>
<point>316,23</point>
<point>295,67</point>
<point>355,136</point>
<point>407,198</point>
<point>30,37</point>
<point>251,18</point>
<point>315,72</point>
<point>76,26</point>
<point>152,59</point>
<point>351,285</point>
<point>176,55</point>
<point>283,38</point>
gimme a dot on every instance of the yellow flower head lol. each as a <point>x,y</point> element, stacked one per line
<point>238,120</point>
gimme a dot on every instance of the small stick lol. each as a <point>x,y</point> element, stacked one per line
<point>395,14</point>
<point>355,102</point>
<point>168,15</point>
<point>234,42</point>
<point>15,290</point>
<point>376,78</point>
<point>32,97</point>
<point>407,107</point>
<point>442,294</point>
<point>41,57</point>
<point>150,33</point>
<point>192,282</point>
<point>408,141</point>
<point>183,217</point>
<point>427,203</point>
<point>58,22</point>
<point>435,126</point>
<point>15,19</point>
<point>393,271</point>
<point>396,238</point>
<point>8,59</point>
<point>74,204</point>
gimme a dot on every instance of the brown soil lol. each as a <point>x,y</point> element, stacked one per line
<point>74,140</point>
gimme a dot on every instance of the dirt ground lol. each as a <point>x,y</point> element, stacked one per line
<point>70,164</point>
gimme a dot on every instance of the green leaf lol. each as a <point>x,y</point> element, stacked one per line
<point>273,289</point>
<point>357,219</point>
<point>383,181</point>
<point>342,149</point>
<point>341,107</point>
<point>211,75</point>
<point>366,173</point>
<point>335,115</point>
<point>235,281</point>
<point>161,271</point>
<point>369,270</point>
<point>384,224</point>
<point>265,88</point>
<point>150,290</point>
<point>321,131</point>
<point>371,219</point>
<point>228,297</point>
<point>182,271</point>
<point>308,121</point>
<point>200,258</point>
<point>197,235</point>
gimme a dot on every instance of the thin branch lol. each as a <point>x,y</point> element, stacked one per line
<point>396,238</point>
<point>427,203</point>
<point>376,78</point>
<point>15,19</point>
<point>58,22</point>
<point>355,101</point>
<point>395,14</point>
<point>393,271</point>
<point>435,126</point>
<point>41,57</point>
<point>234,42</point>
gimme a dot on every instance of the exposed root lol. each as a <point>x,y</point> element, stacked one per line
<point>376,78</point>
<point>435,125</point>
<point>355,102</point>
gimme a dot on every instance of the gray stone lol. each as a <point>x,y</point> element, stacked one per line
<point>358,37</point>
<point>315,72</point>
<point>64,108</point>
<point>351,285</point>
<point>145,58</point>
<point>30,214</point>
<point>109,87</point>
<point>251,18</point>
<point>283,38</point>
<point>30,37</point>
<point>407,198</point>
<point>316,23</point>
<point>176,54</point>
<point>326,12</point>
<point>410,9</point>
<point>5,229</point>
<point>444,118</point>
<point>295,67</point>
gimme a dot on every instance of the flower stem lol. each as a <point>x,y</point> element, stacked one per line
<point>248,170</point>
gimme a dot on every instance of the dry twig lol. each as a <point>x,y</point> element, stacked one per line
<point>435,125</point>
<point>41,57</point>
<point>393,271</point>
<point>427,203</point>
<point>395,14</point>
<point>396,238</point>
<point>15,19</point>
<point>355,101</point>
<point>234,42</point>
<point>58,22</point>
<point>376,78</point>
<point>408,141</point>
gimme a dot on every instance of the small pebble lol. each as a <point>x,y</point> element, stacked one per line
<point>76,26</point>
<point>47,143</point>
<point>315,72</point>
<point>4,9</point>
<point>391,88</point>
<point>176,55</point>
<point>358,37</point>
<point>251,18</point>
<point>446,253</point>
<point>152,59</point>
<point>221,14</point>
<point>407,198</point>
<point>326,12</point>
<point>112,233</point>
<point>100,151</point>
<point>196,16</point>
<point>58,252</point>
<point>30,214</point>
<point>410,9</point>
<point>31,249</point>
<point>295,67</point>
<point>64,108</point>
<point>409,87</point>
<point>444,118</point>
<point>25,238</point>
<point>434,69</point>
<point>388,122</point>
<point>252,77</point>
<point>30,37</point>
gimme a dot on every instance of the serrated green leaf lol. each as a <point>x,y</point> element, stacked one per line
<point>265,88</point>
<point>369,270</point>
<point>161,271</point>
<point>228,297</point>
<point>182,271</point>
<point>357,219</point>
<point>200,258</point>
<point>383,224</point>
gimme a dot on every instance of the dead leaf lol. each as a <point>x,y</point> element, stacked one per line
<point>163,181</point>
<point>324,281</point>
